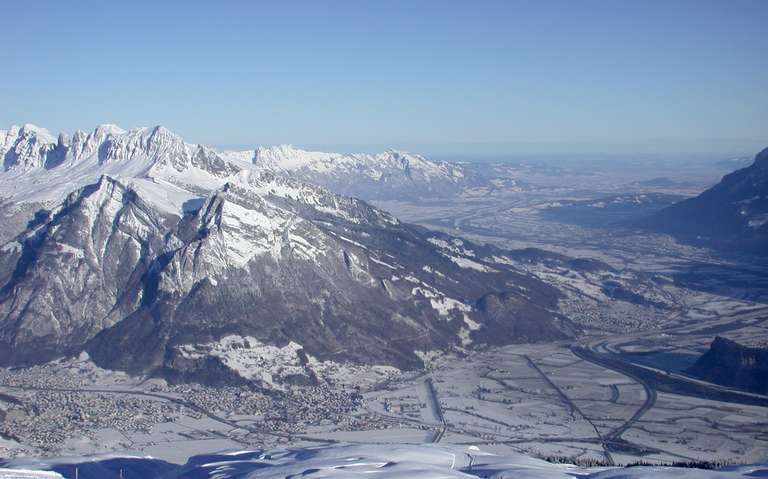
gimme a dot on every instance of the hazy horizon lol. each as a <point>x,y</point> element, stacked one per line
<point>479,151</point>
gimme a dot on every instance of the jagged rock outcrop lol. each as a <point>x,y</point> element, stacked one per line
<point>731,364</point>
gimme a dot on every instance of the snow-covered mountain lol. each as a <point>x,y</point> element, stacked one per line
<point>361,460</point>
<point>161,257</point>
<point>389,175</point>
<point>36,166</point>
<point>39,169</point>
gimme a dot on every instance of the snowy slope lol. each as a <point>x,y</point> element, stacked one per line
<point>286,262</point>
<point>39,169</point>
<point>379,461</point>
<point>391,174</point>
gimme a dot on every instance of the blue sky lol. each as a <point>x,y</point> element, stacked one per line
<point>440,77</point>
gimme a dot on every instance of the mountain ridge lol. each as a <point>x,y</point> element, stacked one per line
<point>28,152</point>
<point>733,214</point>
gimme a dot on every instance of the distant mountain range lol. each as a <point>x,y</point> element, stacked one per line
<point>110,150</point>
<point>161,257</point>
<point>733,214</point>
<point>389,175</point>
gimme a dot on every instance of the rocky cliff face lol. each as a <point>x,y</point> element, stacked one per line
<point>64,279</point>
<point>731,364</point>
<point>263,257</point>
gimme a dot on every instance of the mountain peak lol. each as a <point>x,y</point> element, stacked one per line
<point>108,129</point>
<point>41,134</point>
<point>105,189</point>
<point>162,137</point>
<point>282,148</point>
<point>29,127</point>
<point>160,130</point>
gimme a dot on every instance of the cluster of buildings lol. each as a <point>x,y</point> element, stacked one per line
<point>45,419</point>
<point>282,412</point>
